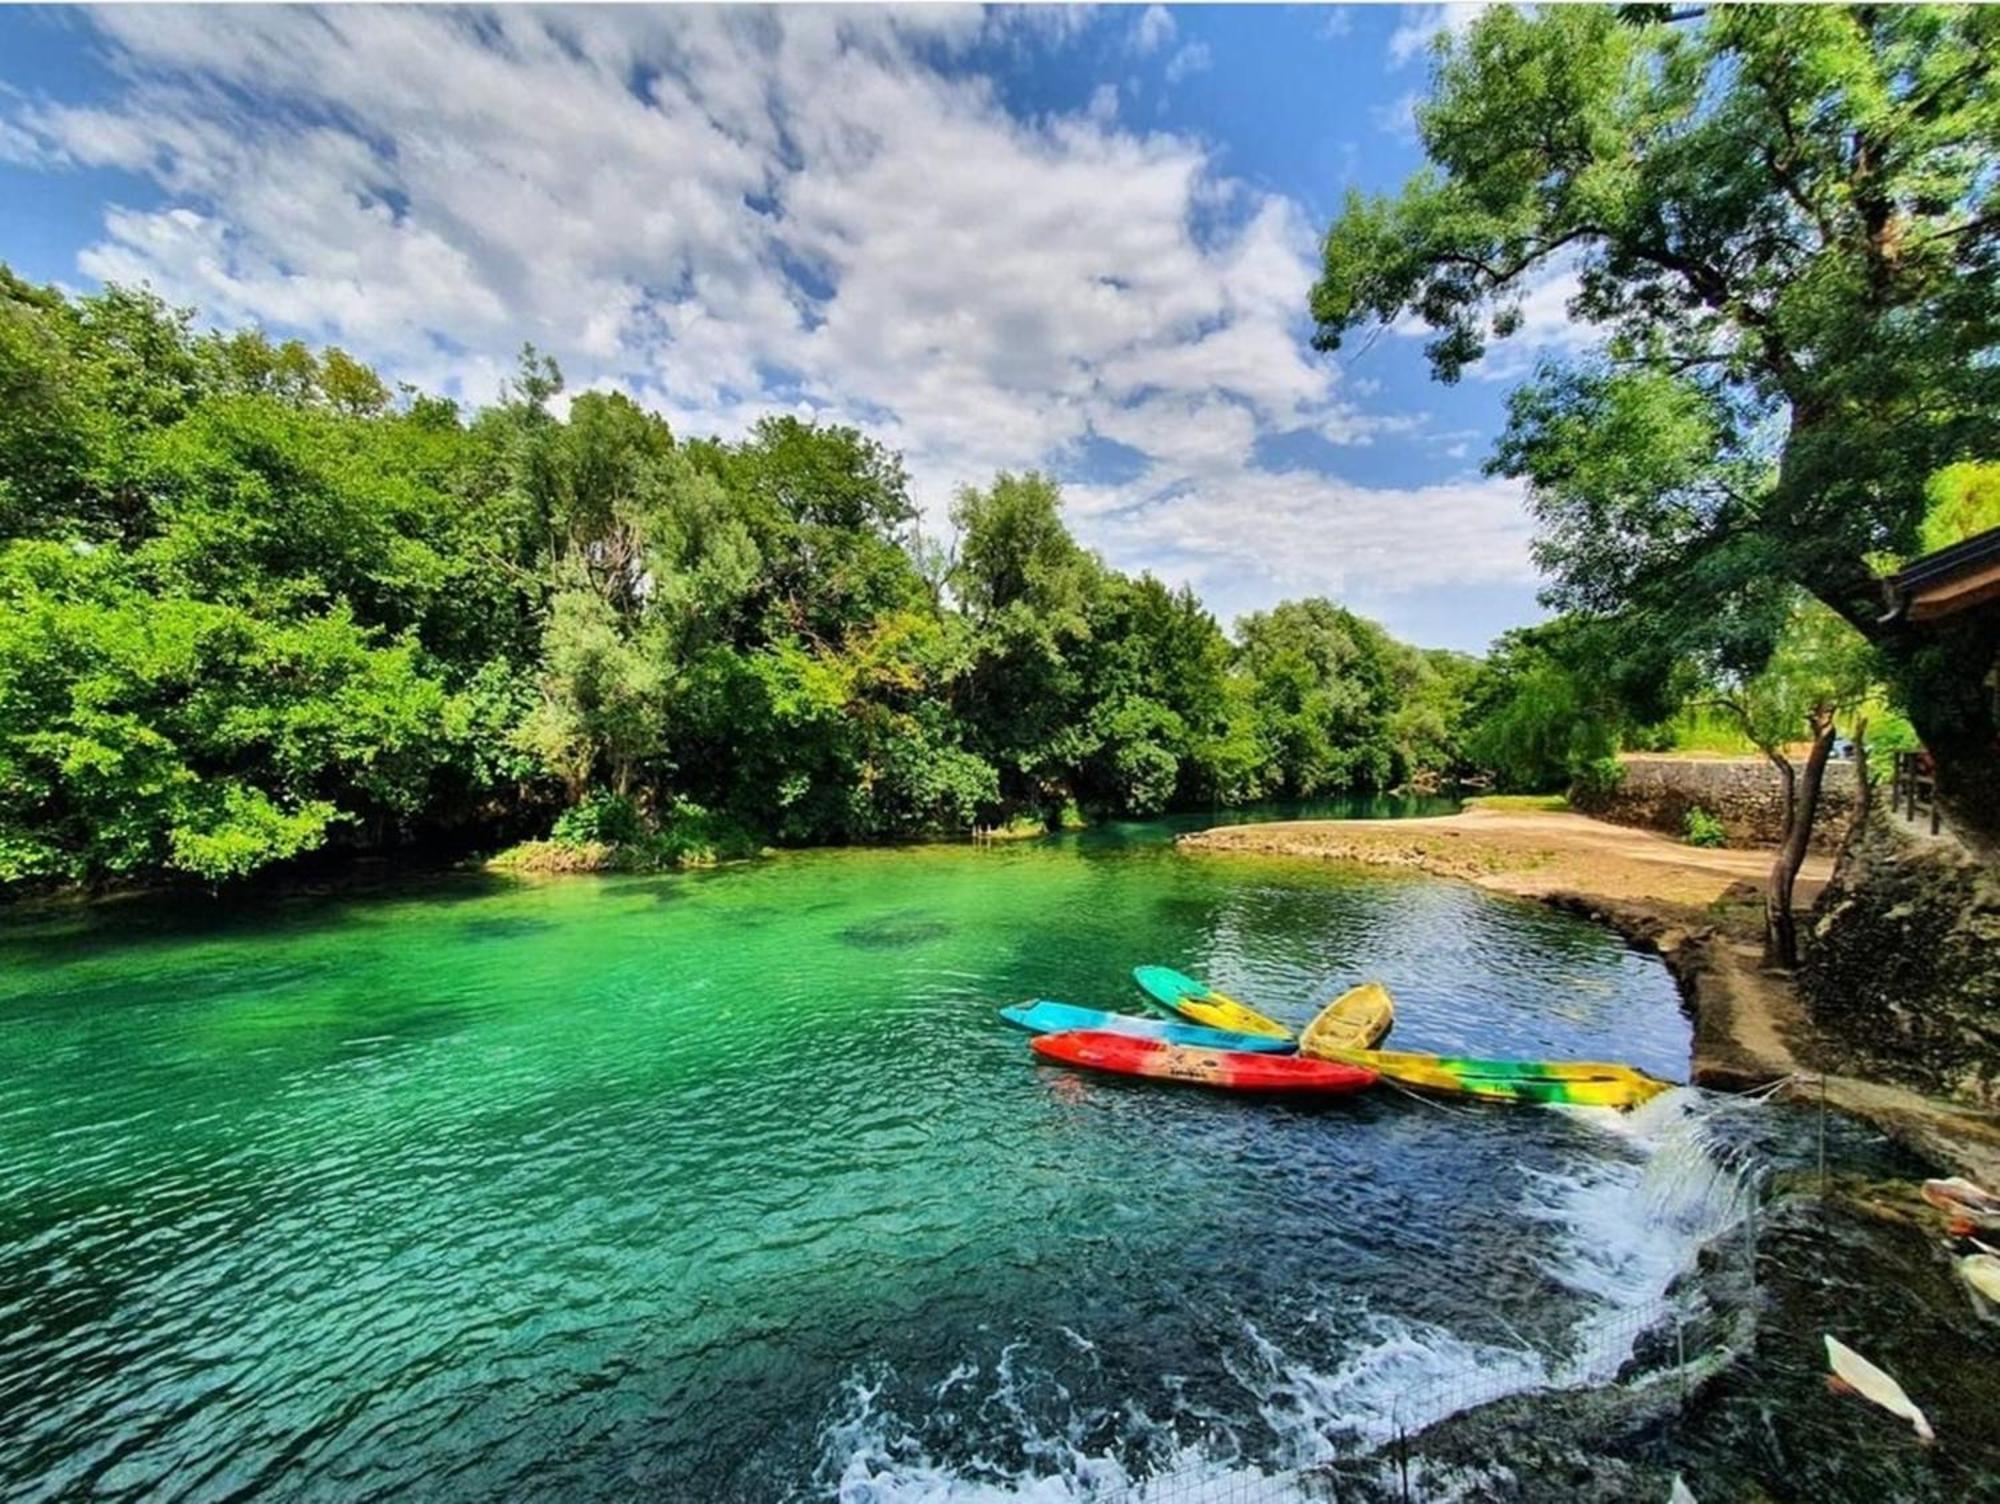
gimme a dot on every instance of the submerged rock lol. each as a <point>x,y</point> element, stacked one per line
<point>894,932</point>
<point>1870,1265</point>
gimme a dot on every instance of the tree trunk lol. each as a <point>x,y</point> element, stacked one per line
<point>1781,936</point>
<point>1776,916</point>
<point>1864,796</point>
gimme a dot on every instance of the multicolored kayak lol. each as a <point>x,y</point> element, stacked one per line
<point>1202,1003</point>
<point>1236,1070</point>
<point>1045,1017</point>
<point>1570,1083</point>
<point>1359,1019</point>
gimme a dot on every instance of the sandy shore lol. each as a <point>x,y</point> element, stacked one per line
<point>1700,909</point>
<point>1533,853</point>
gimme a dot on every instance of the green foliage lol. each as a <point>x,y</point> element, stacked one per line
<point>141,731</point>
<point>1820,668</point>
<point>1785,223</point>
<point>252,606</point>
<point>1549,703</point>
<point>600,819</point>
<point>1601,775</point>
<point>1703,829</point>
<point>1325,697</point>
<point>1962,500</point>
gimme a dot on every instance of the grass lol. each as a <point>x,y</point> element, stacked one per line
<point>1553,804</point>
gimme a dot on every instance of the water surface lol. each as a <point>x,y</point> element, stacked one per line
<point>730,1185</point>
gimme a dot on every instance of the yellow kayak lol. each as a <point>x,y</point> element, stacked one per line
<point>1359,1019</point>
<point>1202,1003</point>
<point>1573,1083</point>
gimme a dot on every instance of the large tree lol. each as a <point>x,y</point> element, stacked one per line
<point>1786,223</point>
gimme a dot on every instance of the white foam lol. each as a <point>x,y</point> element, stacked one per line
<point>1625,1228</point>
<point>877,1458</point>
<point>1406,1375</point>
<point>1628,1228</point>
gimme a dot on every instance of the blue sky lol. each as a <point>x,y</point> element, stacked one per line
<point>1073,239</point>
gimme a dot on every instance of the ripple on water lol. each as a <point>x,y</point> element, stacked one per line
<point>551,1191</point>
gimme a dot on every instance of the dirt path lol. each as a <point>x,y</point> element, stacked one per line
<point>1533,853</point>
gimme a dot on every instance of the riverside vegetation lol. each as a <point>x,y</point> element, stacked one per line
<point>255,605</point>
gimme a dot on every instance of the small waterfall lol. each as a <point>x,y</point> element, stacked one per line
<point>1627,1227</point>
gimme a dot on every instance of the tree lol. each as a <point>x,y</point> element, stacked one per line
<point>1820,670</point>
<point>1962,500</point>
<point>1027,587</point>
<point>142,731</point>
<point>1324,687</point>
<point>1785,222</point>
<point>829,510</point>
<point>253,606</point>
<point>600,706</point>
<point>1552,700</point>
<point>1014,550</point>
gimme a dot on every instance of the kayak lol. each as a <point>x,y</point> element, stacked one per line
<point>1202,1003</point>
<point>1359,1019</point>
<point>1045,1017</point>
<point>1237,1070</point>
<point>1569,1083</point>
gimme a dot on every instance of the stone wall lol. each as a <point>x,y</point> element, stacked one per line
<point>1902,962</point>
<point>1744,793</point>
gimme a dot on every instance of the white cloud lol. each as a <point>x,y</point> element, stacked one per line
<point>730,213</point>
<point>1262,536</point>
<point>1153,30</point>
<point>1191,59</point>
<point>1422,24</point>
<point>1398,118</point>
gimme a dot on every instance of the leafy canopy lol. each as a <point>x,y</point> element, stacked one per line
<point>1784,220</point>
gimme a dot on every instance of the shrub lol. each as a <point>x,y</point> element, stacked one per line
<point>1703,829</point>
<point>597,818</point>
<point>1601,775</point>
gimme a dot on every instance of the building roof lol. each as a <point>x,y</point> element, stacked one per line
<point>1949,581</point>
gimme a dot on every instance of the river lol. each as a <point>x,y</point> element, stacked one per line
<point>731,1185</point>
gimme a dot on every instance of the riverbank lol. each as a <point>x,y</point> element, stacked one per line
<point>1699,908</point>
<point>1857,1255</point>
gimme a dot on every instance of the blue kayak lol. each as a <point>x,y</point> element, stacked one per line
<point>1044,1017</point>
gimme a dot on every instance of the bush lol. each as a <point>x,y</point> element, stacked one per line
<point>1703,829</point>
<point>600,819</point>
<point>691,836</point>
<point>1600,776</point>
<point>609,833</point>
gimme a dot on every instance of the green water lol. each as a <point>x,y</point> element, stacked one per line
<point>730,1185</point>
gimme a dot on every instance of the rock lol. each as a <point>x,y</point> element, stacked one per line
<point>1903,971</point>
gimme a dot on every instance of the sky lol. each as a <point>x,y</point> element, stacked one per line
<point>1079,240</point>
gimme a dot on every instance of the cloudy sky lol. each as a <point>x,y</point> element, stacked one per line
<point>1079,240</point>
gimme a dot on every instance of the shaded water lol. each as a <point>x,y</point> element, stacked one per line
<point>730,1185</point>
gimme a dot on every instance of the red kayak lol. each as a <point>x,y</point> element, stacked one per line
<point>1237,1070</point>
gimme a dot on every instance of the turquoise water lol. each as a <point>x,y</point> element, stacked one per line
<point>730,1185</point>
